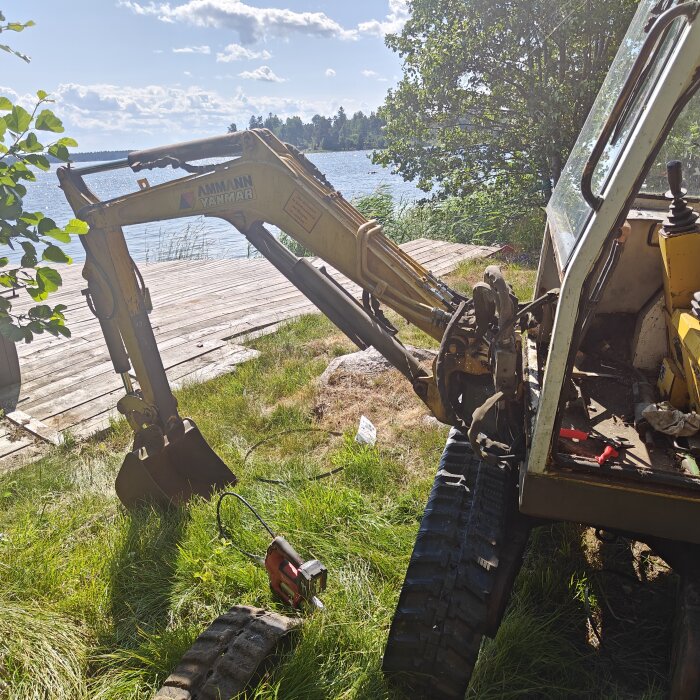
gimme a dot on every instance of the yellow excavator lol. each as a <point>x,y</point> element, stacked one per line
<point>579,405</point>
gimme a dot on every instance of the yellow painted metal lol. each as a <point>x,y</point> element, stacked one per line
<point>672,385</point>
<point>265,182</point>
<point>680,253</point>
<point>170,461</point>
<point>687,329</point>
<point>269,183</point>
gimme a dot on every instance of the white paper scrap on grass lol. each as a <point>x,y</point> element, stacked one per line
<point>366,433</point>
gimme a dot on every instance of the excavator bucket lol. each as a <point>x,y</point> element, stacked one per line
<point>184,468</point>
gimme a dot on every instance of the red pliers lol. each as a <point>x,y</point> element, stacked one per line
<point>612,445</point>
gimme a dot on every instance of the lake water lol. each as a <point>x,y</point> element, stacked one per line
<point>350,172</point>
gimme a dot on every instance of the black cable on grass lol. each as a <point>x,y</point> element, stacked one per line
<point>225,533</point>
<point>288,432</point>
<point>279,482</point>
<point>316,477</point>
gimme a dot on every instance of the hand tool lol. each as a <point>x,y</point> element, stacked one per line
<point>292,580</point>
<point>613,445</point>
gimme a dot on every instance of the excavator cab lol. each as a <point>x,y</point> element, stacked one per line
<point>621,243</point>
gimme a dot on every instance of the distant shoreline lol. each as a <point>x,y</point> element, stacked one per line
<point>105,156</point>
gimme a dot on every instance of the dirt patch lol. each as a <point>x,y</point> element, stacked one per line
<point>364,383</point>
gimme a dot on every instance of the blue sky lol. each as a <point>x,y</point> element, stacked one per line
<point>138,73</point>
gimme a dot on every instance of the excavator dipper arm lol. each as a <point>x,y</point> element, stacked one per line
<point>266,181</point>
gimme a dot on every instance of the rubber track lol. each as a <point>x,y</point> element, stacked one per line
<point>227,655</point>
<point>440,617</point>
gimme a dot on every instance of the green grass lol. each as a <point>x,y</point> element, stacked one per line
<point>99,603</point>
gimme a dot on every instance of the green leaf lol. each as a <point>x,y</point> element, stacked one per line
<point>59,152</point>
<point>38,293</point>
<point>10,204</point>
<point>77,227</point>
<point>46,224</point>
<point>29,258</point>
<point>58,234</point>
<point>5,104</point>
<point>12,332</point>
<point>19,26</point>
<point>67,141</point>
<point>39,161</point>
<point>32,218</point>
<point>48,121</point>
<point>53,253</point>
<point>18,120</point>
<point>30,144</point>
<point>43,311</point>
<point>50,278</point>
<point>41,94</point>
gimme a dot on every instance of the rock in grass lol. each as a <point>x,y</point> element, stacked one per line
<point>367,362</point>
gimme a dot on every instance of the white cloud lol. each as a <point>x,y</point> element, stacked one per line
<point>236,52</point>
<point>251,23</point>
<point>264,73</point>
<point>187,73</point>
<point>103,116</point>
<point>194,49</point>
<point>330,73</point>
<point>370,73</point>
<point>392,23</point>
<point>9,93</point>
<point>136,8</point>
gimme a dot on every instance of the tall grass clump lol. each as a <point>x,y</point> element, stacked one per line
<point>42,653</point>
<point>189,244</point>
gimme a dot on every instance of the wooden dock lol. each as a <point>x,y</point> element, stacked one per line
<point>203,310</point>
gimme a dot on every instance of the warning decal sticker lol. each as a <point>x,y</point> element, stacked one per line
<point>304,212</point>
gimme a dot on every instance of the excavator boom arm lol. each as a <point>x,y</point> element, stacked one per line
<point>272,183</point>
<point>262,181</point>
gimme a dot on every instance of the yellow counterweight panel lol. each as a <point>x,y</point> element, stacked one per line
<point>680,253</point>
<point>687,328</point>
<point>672,385</point>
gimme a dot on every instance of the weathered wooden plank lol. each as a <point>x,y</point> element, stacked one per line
<point>9,445</point>
<point>212,301</point>
<point>35,427</point>
<point>94,387</point>
<point>104,406</point>
<point>88,365</point>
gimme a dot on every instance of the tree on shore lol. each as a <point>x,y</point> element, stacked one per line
<point>494,93</point>
<point>337,133</point>
<point>34,234</point>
